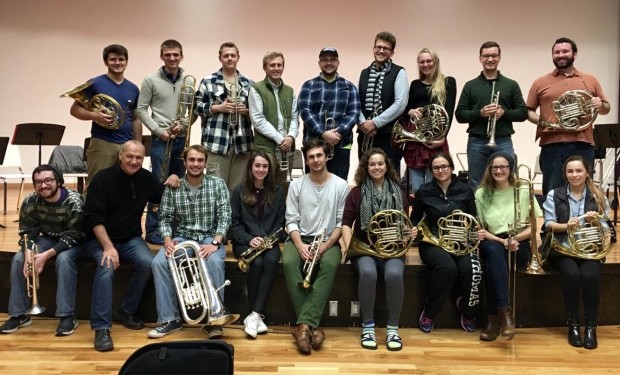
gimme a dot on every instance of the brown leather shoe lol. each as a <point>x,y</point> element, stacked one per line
<point>491,330</point>
<point>507,322</point>
<point>301,333</point>
<point>317,338</point>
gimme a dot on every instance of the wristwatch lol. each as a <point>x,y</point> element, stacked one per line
<point>215,243</point>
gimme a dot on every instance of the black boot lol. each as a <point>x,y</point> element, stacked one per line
<point>589,336</point>
<point>574,335</point>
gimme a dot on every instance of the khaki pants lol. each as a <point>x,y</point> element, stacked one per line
<point>230,168</point>
<point>100,155</point>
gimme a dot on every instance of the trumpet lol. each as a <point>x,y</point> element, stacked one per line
<point>234,119</point>
<point>309,264</point>
<point>283,161</point>
<point>574,110</point>
<point>96,103</point>
<point>492,119</point>
<point>194,287</point>
<point>330,124</point>
<point>32,277</point>
<point>368,140</point>
<point>457,233</point>
<point>250,254</point>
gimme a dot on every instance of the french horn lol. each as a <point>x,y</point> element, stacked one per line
<point>389,236</point>
<point>586,241</point>
<point>433,125</point>
<point>98,102</point>
<point>457,233</point>
<point>574,110</point>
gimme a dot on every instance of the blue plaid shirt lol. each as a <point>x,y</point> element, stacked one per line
<point>319,99</point>
<point>217,136</point>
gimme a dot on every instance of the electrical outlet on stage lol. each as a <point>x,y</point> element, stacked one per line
<point>355,309</point>
<point>333,308</point>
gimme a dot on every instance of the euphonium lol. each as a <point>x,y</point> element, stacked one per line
<point>433,125</point>
<point>98,102</point>
<point>574,110</point>
<point>308,266</point>
<point>368,140</point>
<point>389,235</point>
<point>457,233</point>
<point>194,287</point>
<point>32,277</point>
<point>586,241</point>
<point>250,254</point>
<point>492,119</point>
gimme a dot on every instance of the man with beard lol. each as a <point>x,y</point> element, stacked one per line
<point>476,107</point>
<point>556,145</point>
<point>113,222</point>
<point>201,209</point>
<point>329,106</point>
<point>105,143</point>
<point>52,219</point>
<point>314,209</point>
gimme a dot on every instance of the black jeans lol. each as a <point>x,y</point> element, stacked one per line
<point>580,276</point>
<point>261,276</point>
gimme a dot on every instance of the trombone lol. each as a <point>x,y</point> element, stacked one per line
<point>330,124</point>
<point>32,278</point>
<point>368,140</point>
<point>492,119</point>
<point>309,264</point>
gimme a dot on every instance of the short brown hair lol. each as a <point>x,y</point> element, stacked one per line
<point>388,37</point>
<point>170,43</point>
<point>228,45</point>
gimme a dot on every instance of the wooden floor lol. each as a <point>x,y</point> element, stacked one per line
<point>35,349</point>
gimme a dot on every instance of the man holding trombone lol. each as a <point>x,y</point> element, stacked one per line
<point>489,103</point>
<point>163,91</point>
<point>314,209</point>
<point>51,220</point>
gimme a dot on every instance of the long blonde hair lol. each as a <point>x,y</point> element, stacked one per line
<point>438,80</point>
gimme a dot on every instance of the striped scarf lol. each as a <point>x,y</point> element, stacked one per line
<point>375,86</point>
<point>374,200</point>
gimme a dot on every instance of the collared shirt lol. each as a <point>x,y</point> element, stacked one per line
<point>169,76</point>
<point>320,99</point>
<point>205,213</point>
<point>217,135</point>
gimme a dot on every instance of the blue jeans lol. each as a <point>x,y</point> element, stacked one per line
<point>478,155</point>
<point>175,166</point>
<point>135,251</point>
<point>418,177</point>
<point>165,290</point>
<point>66,274</point>
<point>552,158</point>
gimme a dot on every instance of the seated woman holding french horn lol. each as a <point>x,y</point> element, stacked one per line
<point>507,231</point>
<point>578,240</point>
<point>257,229</point>
<point>444,210</point>
<point>383,235</point>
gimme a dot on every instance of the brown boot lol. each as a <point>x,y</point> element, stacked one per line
<point>491,330</point>
<point>301,333</point>
<point>508,322</point>
<point>317,338</point>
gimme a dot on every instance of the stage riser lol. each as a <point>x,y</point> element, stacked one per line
<point>538,298</point>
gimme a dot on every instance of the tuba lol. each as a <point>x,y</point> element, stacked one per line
<point>433,125</point>
<point>98,102</point>
<point>250,254</point>
<point>389,235</point>
<point>586,241</point>
<point>574,110</point>
<point>32,278</point>
<point>457,233</point>
<point>309,264</point>
<point>194,287</point>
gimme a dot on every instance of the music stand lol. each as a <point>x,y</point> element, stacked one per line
<point>608,136</point>
<point>38,134</point>
<point>4,143</point>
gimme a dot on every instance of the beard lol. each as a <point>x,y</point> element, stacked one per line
<point>564,63</point>
<point>48,193</point>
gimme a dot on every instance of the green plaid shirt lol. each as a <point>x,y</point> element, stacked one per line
<point>204,215</point>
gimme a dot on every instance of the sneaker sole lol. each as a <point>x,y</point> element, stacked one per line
<point>250,333</point>
<point>67,333</point>
<point>21,325</point>
<point>156,335</point>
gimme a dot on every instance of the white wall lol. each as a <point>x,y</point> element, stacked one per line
<point>51,46</point>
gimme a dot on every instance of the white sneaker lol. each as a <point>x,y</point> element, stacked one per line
<point>251,322</point>
<point>261,326</point>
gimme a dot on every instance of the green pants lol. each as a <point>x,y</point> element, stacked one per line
<point>309,303</point>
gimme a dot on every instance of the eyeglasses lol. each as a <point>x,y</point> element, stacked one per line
<point>490,56</point>
<point>383,48</point>
<point>443,167</point>
<point>47,181</point>
<point>500,167</point>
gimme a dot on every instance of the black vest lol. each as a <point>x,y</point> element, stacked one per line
<point>562,207</point>
<point>387,92</point>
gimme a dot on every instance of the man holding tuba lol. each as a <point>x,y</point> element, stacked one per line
<point>584,99</point>
<point>201,209</point>
<point>329,107</point>
<point>314,206</point>
<point>110,128</point>
<point>273,111</point>
<point>489,103</point>
<point>52,218</point>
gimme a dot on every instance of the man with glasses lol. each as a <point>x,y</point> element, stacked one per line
<point>384,93</point>
<point>329,106</point>
<point>477,108</point>
<point>52,219</point>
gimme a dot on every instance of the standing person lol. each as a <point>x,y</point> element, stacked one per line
<point>160,92</point>
<point>383,91</point>
<point>329,106</point>
<point>433,87</point>
<point>557,145</point>
<point>106,143</point>
<point>52,218</point>
<point>221,102</point>
<point>377,190</point>
<point>112,221</point>
<point>257,214</point>
<point>495,203</point>
<point>477,109</point>
<point>314,205</point>
<point>273,111</point>
<point>201,208</point>
<point>437,199</point>
<point>574,204</point>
